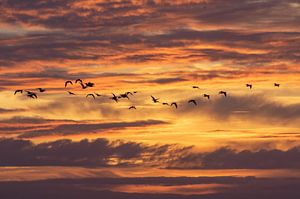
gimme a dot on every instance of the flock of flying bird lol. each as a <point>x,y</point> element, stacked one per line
<point>116,98</point>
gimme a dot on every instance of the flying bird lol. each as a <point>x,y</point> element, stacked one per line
<point>223,93</point>
<point>32,95</point>
<point>83,86</point>
<point>175,105</point>
<point>89,84</point>
<point>90,94</point>
<point>134,91</point>
<point>165,103</point>
<point>71,93</point>
<point>207,96</point>
<point>18,91</point>
<point>115,98</point>
<point>196,87</point>
<point>155,100</point>
<point>41,90</point>
<point>132,107</point>
<point>276,85</point>
<point>78,80</point>
<point>124,96</point>
<point>68,82</point>
<point>249,85</point>
<point>193,101</point>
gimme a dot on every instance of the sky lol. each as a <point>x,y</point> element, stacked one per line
<point>150,48</point>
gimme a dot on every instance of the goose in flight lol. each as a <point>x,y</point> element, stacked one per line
<point>68,82</point>
<point>90,94</point>
<point>207,96</point>
<point>124,96</point>
<point>78,80</point>
<point>276,85</point>
<point>18,91</point>
<point>196,87</point>
<point>71,93</point>
<point>41,90</point>
<point>132,107</point>
<point>32,95</point>
<point>193,101</point>
<point>249,85</point>
<point>89,84</point>
<point>175,104</point>
<point>155,100</point>
<point>83,86</point>
<point>165,103</point>
<point>223,93</point>
<point>115,98</point>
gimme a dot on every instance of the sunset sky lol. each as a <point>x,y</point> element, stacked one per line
<point>159,48</point>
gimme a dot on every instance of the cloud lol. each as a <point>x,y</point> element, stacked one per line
<point>249,107</point>
<point>227,158</point>
<point>99,152</point>
<point>81,128</point>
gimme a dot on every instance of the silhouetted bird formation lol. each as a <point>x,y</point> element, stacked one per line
<point>33,95</point>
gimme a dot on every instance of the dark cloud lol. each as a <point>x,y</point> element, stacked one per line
<point>3,110</point>
<point>159,80</point>
<point>226,158</point>
<point>249,107</point>
<point>99,152</point>
<point>78,128</point>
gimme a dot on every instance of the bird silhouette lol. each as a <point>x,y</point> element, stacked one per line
<point>90,94</point>
<point>97,94</point>
<point>18,91</point>
<point>115,98</point>
<point>193,101</point>
<point>68,82</point>
<point>207,96</point>
<point>196,87</point>
<point>223,93</point>
<point>276,85</point>
<point>127,93</point>
<point>83,86</point>
<point>165,103</point>
<point>78,80</point>
<point>249,85</point>
<point>155,100</point>
<point>41,90</point>
<point>132,107</point>
<point>32,95</point>
<point>175,104</point>
<point>71,93</point>
<point>124,96</point>
<point>89,84</point>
